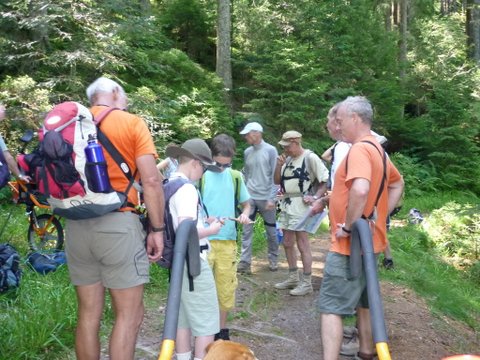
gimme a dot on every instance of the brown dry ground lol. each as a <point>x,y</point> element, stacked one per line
<point>279,326</point>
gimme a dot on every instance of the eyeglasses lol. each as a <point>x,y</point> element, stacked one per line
<point>204,167</point>
<point>223,166</point>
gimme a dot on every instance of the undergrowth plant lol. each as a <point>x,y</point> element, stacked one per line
<point>39,318</point>
<point>425,264</point>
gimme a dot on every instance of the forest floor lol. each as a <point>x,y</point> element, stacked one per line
<point>276,325</point>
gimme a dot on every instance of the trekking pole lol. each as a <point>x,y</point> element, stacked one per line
<point>186,231</point>
<point>361,232</point>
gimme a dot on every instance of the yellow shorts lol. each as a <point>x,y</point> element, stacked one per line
<point>223,262</point>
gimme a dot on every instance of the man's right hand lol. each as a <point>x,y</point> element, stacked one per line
<point>281,160</point>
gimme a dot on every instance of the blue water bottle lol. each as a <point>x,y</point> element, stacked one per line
<point>96,167</point>
<point>279,233</point>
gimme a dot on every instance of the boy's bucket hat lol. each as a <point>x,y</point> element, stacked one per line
<point>195,149</point>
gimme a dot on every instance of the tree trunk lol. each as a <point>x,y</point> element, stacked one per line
<point>145,6</point>
<point>473,29</point>
<point>395,12</point>
<point>224,55</point>
<point>388,17</point>
<point>403,36</point>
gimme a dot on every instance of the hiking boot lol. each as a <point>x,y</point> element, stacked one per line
<point>224,334</point>
<point>304,287</point>
<point>388,264</point>
<point>290,283</point>
<point>350,343</point>
<point>350,332</point>
<point>272,265</point>
<point>244,268</point>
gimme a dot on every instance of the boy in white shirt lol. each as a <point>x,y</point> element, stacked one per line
<point>199,312</point>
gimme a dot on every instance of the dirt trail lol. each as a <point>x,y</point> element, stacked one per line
<point>279,326</point>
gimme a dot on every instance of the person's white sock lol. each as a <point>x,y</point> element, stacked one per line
<point>184,356</point>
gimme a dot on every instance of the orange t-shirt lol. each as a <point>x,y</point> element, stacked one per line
<point>131,137</point>
<point>364,161</point>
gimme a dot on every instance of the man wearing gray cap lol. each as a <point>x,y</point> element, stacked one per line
<point>302,178</point>
<point>259,167</point>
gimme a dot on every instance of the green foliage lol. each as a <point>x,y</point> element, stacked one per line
<point>432,278</point>
<point>455,229</point>
<point>441,251</point>
<point>419,178</point>
<point>39,318</point>
<point>443,103</point>
<point>68,44</point>
<point>189,26</point>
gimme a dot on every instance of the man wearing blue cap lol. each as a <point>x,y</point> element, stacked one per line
<point>259,167</point>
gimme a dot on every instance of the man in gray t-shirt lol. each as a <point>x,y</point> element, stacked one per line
<point>259,167</point>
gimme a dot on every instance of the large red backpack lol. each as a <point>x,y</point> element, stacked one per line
<point>63,177</point>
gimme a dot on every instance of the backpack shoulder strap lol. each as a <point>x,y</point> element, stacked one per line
<point>307,160</point>
<point>103,114</point>
<point>114,153</point>
<point>236,176</point>
<point>384,177</point>
<point>201,185</point>
<point>171,186</point>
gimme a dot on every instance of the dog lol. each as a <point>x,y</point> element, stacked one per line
<point>228,350</point>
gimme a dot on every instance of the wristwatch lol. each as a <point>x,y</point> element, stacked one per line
<point>344,229</point>
<point>157,229</point>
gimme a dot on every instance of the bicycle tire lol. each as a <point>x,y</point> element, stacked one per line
<point>52,240</point>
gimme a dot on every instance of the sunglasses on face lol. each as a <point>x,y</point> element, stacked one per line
<point>223,166</point>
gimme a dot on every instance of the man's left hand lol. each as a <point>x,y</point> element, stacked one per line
<point>155,246</point>
<point>318,206</point>
<point>340,233</point>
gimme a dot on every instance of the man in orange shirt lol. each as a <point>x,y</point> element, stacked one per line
<point>108,252</point>
<point>357,185</point>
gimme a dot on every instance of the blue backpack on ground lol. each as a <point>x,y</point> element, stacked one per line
<point>10,272</point>
<point>45,263</point>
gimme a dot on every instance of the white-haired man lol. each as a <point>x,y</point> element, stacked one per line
<point>358,193</point>
<point>108,252</point>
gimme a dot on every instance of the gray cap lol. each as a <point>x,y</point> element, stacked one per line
<point>195,149</point>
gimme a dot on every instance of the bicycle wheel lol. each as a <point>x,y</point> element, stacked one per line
<point>48,235</point>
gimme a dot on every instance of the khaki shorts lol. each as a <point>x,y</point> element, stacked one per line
<point>223,261</point>
<point>289,222</point>
<point>199,308</point>
<point>109,249</point>
<point>338,294</point>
